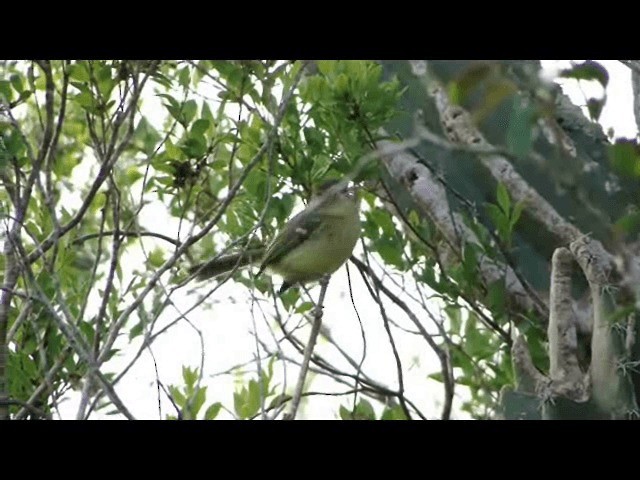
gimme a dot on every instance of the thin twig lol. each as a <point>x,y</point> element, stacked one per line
<point>108,161</point>
<point>364,340</point>
<point>90,236</point>
<point>313,336</point>
<point>69,329</point>
<point>193,239</point>
<point>442,356</point>
<point>45,384</point>
<point>375,294</point>
<point>31,408</point>
<point>372,388</point>
<point>12,266</point>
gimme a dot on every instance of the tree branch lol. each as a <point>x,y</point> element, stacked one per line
<point>313,336</point>
<point>193,239</point>
<point>440,353</point>
<point>91,236</point>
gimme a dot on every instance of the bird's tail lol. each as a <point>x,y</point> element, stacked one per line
<point>226,263</point>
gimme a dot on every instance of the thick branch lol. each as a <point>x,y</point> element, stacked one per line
<point>564,368</point>
<point>431,197</point>
<point>611,386</point>
<point>459,128</point>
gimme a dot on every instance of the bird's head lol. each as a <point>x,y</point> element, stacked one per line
<point>334,192</point>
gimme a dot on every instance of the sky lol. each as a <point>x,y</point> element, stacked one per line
<point>225,327</point>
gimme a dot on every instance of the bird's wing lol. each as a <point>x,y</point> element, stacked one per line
<point>294,233</point>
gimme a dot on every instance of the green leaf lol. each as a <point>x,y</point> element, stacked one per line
<point>189,110</point>
<point>177,396</point>
<point>24,95</point>
<point>455,317</point>
<point>314,139</point>
<point>162,180</point>
<point>79,72</point>
<point>250,134</point>
<point>136,330</point>
<point>173,107</point>
<point>6,92</point>
<point>588,70</point>
<point>495,299</point>
<point>304,307</point>
<point>213,411</point>
<point>382,219</point>
<point>194,147</point>
<point>64,164</point>
<point>236,79</point>
<point>146,137</point>
<point>87,330</point>
<point>206,113</point>
<point>364,411</point>
<point>184,77</point>
<point>290,298</point>
<point>105,81</point>
<point>515,214</point>
<point>172,101</point>
<point>345,413</point>
<point>85,100</point>
<point>625,157</point>
<point>628,223</point>
<point>199,127</point>
<point>341,84</point>
<point>477,342</point>
<point>395,413</point>
<point>503,198</point>
<point>198,400</point>
<point>253,399</point>
<point>16,82</point>
<point>172,151</point>
<point>248,400</point>
<point>314,89</point>
<point>14,144</point>
<point>4,155</point>
<point>326,67</point>
<point>156,257</point>
<point>133,175</point>
<point>238,404</point>
<point>498,217</point>
<point>189,376</point>
<point>470,263</point>
<point>391,252</point>
<point>103,72</point>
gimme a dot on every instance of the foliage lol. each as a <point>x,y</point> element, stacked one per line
<point>117,174</point>
<point>90,146</point>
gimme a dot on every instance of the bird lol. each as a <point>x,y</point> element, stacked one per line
<point>313,244</point>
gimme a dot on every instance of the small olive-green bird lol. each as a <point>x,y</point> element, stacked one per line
<point>314,243</point>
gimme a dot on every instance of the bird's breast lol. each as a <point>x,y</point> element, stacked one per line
<point>324,251</point>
